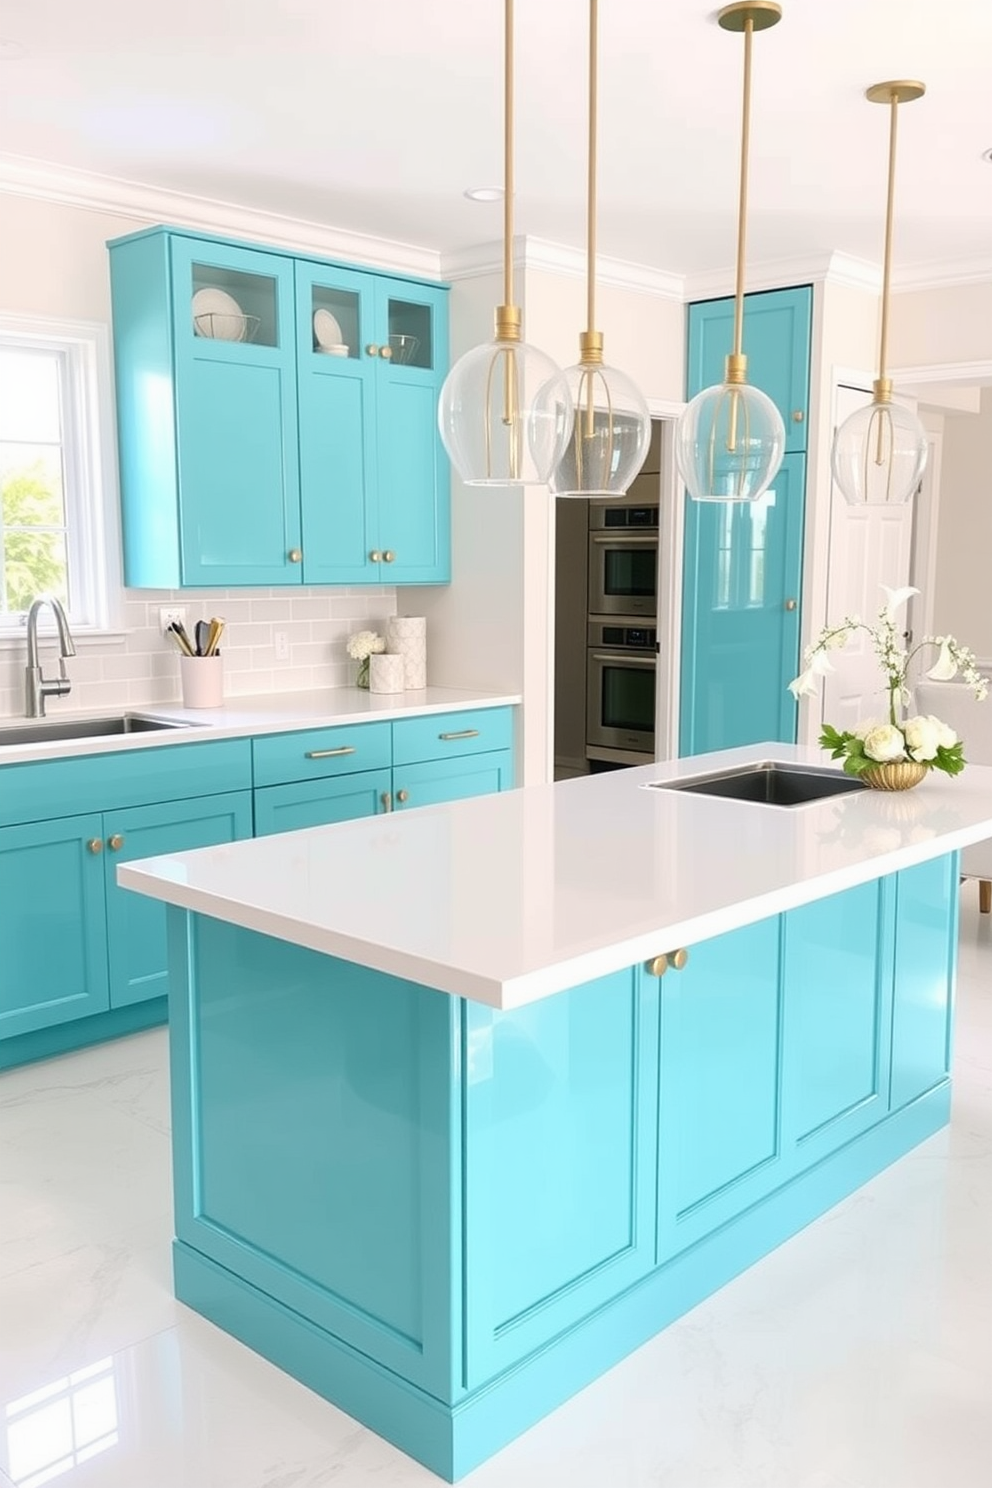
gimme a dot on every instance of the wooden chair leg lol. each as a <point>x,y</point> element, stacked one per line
<point>985,896</point>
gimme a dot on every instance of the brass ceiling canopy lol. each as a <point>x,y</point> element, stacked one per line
<point>761,13</point>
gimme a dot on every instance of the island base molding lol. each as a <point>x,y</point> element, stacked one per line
<point>451,1441</point>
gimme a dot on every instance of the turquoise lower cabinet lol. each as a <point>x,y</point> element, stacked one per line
<point>318,803</point>
<point>838,998</point>
<point>447,1219</point>
<point>720,1139</point>
<point>433,781</point>
<point>559,1107</point>
<point>926,948</point>
<point>742,563</point>
<point>53,941</point>
<point>136,926</point>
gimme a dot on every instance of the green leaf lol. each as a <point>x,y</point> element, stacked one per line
<point>951,761</point>
<point>855,763</point>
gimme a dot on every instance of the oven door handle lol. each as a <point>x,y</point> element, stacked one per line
<point>627,539</point>
<point>624,660</point>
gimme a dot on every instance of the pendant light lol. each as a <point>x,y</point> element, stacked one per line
<point>612,428</point>
<point>505,411</point>
<point>879,453</point>
<point>730,440</point>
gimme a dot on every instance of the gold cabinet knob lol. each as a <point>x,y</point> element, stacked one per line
<point>673,960</point>
<point>372,349</point>
<point>386,353</point>
<point>402,796</point>
<point>295,555</point>
<point>790,604</point>
<point>115,842</point>
<point>679,959</point>
<point>95,844</point>
<point>375,555</point>
<point>388,556</point>
<point>658,965</point>
<point>797,415</point>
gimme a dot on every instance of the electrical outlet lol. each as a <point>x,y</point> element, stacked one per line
<point>169,613</point>
<point>281,640</point>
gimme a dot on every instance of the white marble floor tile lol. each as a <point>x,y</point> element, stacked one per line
<point>858,1355</point>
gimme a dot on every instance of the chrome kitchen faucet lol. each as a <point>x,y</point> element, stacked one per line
<point>37,687</point>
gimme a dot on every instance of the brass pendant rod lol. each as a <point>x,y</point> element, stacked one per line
<point>883,349</point>
<point>593,120</point>
<point>742,208</point>
<point>508,154</point>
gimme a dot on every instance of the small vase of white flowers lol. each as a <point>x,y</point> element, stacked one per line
<point>361,646</point>
<point>896,752</point>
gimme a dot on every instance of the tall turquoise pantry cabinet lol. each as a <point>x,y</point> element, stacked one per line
<point>742,567</point>
<point>276,418</point>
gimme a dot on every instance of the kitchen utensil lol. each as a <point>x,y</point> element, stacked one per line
<point>178,632</point>
<point>213,639</point>
<point>202,635</point>
<point>326,330</point>
<point>404,348</point>
<point>220,315</point>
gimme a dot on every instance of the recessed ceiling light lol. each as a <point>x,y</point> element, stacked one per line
<point>485,193</point>
<point>987,155</point>
<point>11,51</point>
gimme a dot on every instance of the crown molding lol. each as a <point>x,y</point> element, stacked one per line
<point>777,273</point>
<point>964,374</point>
<point>942,275</point>
<point>558,258</point>
<point>20,176</point>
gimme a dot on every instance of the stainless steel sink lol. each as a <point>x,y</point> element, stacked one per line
<point>767,782</point>
<point>46,730</point>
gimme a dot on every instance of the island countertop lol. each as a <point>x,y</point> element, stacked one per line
<point>506,899</point>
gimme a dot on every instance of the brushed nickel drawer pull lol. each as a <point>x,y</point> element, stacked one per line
<point>330,753</point>
<point>462,734</point>
<point>387,801</point>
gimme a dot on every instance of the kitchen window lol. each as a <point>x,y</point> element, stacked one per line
<point>58,530</point>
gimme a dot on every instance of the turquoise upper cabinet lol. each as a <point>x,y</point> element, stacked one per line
<point>276,418</point>
<point>742,574</point>
<point>373,475</point>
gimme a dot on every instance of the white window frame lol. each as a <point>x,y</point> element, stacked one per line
<point>91,486</point>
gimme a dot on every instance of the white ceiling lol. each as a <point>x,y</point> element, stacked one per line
<point>375,115</point>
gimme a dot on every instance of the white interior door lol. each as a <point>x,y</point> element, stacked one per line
<point>869,546</point>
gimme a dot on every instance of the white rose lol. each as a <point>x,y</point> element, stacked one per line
<point>921,738</point>
<point>365,643</point>
<point>946,737</point>
<point>864,729</point>
<point>884,744</point>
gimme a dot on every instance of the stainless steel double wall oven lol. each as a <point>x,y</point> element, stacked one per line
<point>622,639</point>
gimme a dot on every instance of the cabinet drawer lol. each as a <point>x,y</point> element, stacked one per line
<point>43,790</point>
<point>475,731</point>
<point>320,752</point>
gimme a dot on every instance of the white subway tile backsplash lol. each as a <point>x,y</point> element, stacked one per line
<point>145,669</point>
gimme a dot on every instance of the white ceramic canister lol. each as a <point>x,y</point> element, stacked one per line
<point>202,680</point>
<point>385,672</point>
<point>406,636</point>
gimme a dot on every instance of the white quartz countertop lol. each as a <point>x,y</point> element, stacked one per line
<point>274,713</point>
<point>506,899</point>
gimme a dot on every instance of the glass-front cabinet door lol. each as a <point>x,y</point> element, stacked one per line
<point>236,415</point>
<point>337,364</point>
<point>413,480</point>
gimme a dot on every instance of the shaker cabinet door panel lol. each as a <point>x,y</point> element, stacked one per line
<point>135,924</point>
<point>926,948</point>
<point>319,803</point>
<point>53,953</point>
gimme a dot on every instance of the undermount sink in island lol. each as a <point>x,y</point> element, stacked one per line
<point>458,1123</point>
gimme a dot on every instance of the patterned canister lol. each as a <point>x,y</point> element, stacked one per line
<point>406,636</point>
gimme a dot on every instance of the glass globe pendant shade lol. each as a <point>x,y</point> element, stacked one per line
<point>505,415</point>
<point>879,454</point>
<point>729,443</point>
<point>610,435</point>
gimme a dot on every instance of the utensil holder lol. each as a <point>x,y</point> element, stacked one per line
<point>406,636</point>
<point>385,672</point>
<point>202,680</point>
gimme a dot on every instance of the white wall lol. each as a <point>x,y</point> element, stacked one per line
<point>962,602</point>
<point>53,262</point>
<point>948,325</point>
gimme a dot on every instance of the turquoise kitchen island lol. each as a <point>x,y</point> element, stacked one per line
<point>470,1102</point>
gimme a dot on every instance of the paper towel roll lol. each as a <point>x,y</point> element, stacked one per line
<point>385,673</point>
<point>406,636</point>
